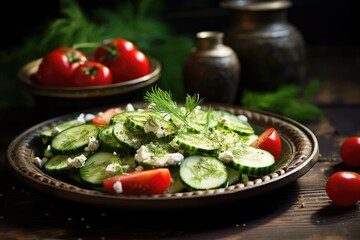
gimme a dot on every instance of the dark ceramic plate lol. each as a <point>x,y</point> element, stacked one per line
<point>27,77</point>
<point>300,152</point>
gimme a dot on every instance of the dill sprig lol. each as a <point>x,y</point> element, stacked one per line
<point>163,103</point>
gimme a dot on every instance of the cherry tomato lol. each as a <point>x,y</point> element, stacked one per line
<point>350,151</point>
<point>57,67</point>
<point>124,60</point>
<point>270,141</point>
<point>103,118</point>
<point>91,73</point>
<point>343,188</point>
<point>153,181</point>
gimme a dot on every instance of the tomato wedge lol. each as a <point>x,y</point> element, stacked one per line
<point>270,141</point>
<point>153,181</point>
<point>103,118</point>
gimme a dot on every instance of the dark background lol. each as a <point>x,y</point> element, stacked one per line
<point>320,21</point>
<point>329,27</point>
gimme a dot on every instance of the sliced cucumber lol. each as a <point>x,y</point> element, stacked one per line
<point>199,172</point>
<point>122,116</point>
<point>128,137</point>
<point>49,134</point>
<point>231,122</point>
<point>176,183</point>
<point>95,168</point>
<point>195,143</point>
<point>152,123</point>
<point>109,143</point>
<point>58,165</point>
<point>74,139</point>
<point>253,161</point>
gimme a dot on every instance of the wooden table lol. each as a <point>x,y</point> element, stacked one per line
<point>300,210</point>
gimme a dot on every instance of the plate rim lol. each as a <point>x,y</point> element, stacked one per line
<point>38,180</point>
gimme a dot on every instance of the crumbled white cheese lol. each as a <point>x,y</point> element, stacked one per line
<point>47,152</point>
<point>143,153</point>
<point>152,126</point>
<point>93,145</point>
<point>83,118</point>
<point>174,158</point>
<point>174,143</point>
<point>226,156</point>
<point>130,107</point>
<point>111,168</point>
<point>117,186</point>
<point>225,120</point>
<point>145,156</point>
<point>77,162</point>
<point>40,162</point>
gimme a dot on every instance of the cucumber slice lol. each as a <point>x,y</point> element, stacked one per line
<point>58,165</point>
<point>253,161</point>
<point>74,139</point>
<point>122,116</point>
<point>128,137</point>
<point>109,143</point>
<point>95,168</point>
<point>231,122</point>
<point>152,123</point>
<point>195,143</point>
<point>49,134</point>
<point>176,183</point>
<point>199,172</point>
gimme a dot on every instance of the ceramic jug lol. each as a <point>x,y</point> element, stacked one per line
<point>212,69</point>
<point>271,50</point>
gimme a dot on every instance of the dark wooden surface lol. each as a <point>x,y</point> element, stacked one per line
<point>301,210</point>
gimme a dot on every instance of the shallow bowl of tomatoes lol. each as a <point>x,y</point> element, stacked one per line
<point>75,98</point>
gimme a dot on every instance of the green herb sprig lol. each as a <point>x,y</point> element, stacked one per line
<point>163,102</point>
<point>288,100</point>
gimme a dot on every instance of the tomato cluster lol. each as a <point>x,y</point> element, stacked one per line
<point>343,187</point>
<point>115,60</point>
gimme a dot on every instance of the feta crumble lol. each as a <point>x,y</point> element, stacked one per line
<point>40,162</point>
<point>226,156</point>
<point>111,168</point>
<point>93,145</point>
<point>77,162</point>
<point>117,186</point>
<point>152,126</point>
<point>130,107</point>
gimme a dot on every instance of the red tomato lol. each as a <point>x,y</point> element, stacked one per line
<point>124,60</point>
<point>350,151</point>
<point>103,118</point>
<point>153,181</point>
<point>343,188</point>
<point>270,141</point>
<point>91,73</point>
<point>57,67</point>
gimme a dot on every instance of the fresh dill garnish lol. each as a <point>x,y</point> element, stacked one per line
<point>162,102</point>
<point>204,169</point>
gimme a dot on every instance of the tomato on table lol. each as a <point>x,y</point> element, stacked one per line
<point>124,60</point>
<point>57,67</point>
<point>91,73</point>
<point>343,188</point>
<point>270,141</point>
<point>103,118</point>
<point>350,151</point>
<point>153,181</point>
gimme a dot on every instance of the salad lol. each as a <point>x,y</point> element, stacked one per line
<point>162,148</point>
